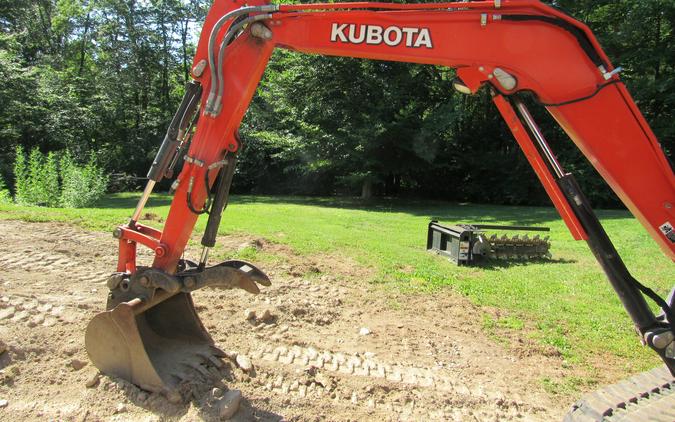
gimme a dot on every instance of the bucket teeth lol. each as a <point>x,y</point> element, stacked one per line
<point>217,351</point>
<point>199,368</point>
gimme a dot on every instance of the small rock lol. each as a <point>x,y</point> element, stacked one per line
<point>121,408</point>
<point>38,319</point>
<point>20,316</point>
<point>142,396</point>
<point>3,403</point>
<point>7,313</point>
<point>45,308</point>
<point>30,305</point>
<point>267,316</point>
<point>93,380</point>
<point>77,364</point>
<point>364,331</point>
<point>244,363</point>
<point>49,321</point>
<point>323,380</point>
<point>71,350</point>
<point>217,392</point>
<point>174,397</point>
<point>312,353</point>
<point>230,354</point>
<point>249,314</point>
<point>229,404</point>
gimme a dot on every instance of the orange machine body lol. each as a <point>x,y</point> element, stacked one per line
<point>548,53</point>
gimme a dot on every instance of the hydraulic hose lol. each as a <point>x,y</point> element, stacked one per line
<point>214,34</point>
<point>216,105</point>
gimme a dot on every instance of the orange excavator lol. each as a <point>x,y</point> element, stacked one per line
<point>150,333</point>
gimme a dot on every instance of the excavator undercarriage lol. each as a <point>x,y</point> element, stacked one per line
<point>150,333</point>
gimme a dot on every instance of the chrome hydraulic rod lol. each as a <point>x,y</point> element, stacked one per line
<point>539,137</point>
<point>142,202</point>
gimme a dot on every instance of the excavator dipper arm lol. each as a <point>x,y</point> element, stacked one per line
<point>508,46</point>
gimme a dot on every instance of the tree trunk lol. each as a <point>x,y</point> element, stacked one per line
<point>367,189</point>
<point>83,49</point>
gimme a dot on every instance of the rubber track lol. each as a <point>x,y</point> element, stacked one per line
<point>649,396</point>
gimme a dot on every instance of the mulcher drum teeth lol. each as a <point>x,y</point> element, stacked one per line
<point>515,247</point>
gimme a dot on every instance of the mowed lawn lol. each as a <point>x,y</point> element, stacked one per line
<point>566,303</point>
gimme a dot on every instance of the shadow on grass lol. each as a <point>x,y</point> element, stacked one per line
<point>443,211</point>
<point>495,264</point>
<point>433,209</point>
<point>129,201</point>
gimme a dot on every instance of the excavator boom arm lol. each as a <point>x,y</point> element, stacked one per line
<point>508,46</point>
<point>543,50</point>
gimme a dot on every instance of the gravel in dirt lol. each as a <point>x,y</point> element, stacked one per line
<point>298,355</point>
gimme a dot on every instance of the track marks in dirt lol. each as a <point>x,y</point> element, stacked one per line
<point>424,361</point>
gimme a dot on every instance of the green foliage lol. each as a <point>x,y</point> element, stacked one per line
<point>51,182</point>
<point>5,197</point>
<point>41,180</point>
<point>81,186</point>
<point>20,177</point>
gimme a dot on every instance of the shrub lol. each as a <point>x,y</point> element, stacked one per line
<point>81,186</point>
<point>37,182</point>
<point>48,181</point>
<point>5,197</point>
<point>20,177</point>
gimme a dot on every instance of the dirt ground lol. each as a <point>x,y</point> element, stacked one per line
<point>333,347</point>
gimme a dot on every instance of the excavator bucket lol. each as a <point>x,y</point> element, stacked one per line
<point>151,334</point>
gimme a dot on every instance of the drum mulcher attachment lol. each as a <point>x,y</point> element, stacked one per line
<point>464,244</point>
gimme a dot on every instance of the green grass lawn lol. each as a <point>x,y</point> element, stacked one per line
<point>566,303</point>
